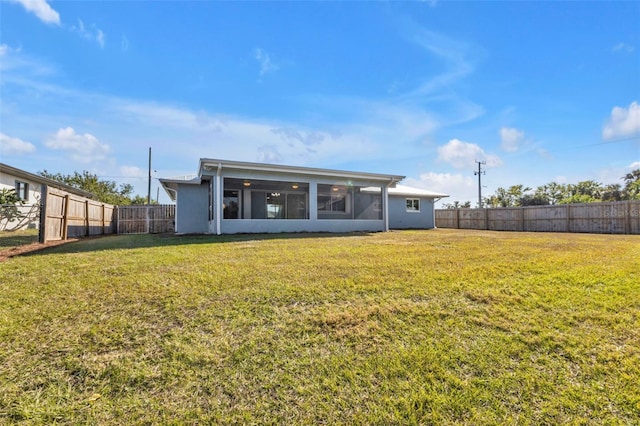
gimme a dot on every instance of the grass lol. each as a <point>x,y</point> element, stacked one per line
<point>412,327</point>
<point>18,238</point>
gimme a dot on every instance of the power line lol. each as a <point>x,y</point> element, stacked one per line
<point>595,144</point>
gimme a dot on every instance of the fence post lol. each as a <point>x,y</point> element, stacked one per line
<point>486,219</point>
<point>568,226</point>
<point>457,218</point>
<point>522,219</point>
<point>87,225</point>
<point>65,218</point>
<point>42,232</point>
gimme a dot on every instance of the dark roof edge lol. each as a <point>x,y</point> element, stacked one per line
<point>46,181</point>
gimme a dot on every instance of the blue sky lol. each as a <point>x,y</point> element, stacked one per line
<point>540,91</point>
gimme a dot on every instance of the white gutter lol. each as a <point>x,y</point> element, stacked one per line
<point>218,198</point>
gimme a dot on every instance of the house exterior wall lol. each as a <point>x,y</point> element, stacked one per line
<point>316,222</point>
<point>8,181</point>
<point>286,225</point>
<point>192,208</point>
<point>228,197</point>
<point>400,218</point>
<point>30,207</point>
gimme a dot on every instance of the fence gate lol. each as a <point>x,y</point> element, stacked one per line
<point>154,219</point>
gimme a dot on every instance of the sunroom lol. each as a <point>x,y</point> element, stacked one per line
<point>231,197</point>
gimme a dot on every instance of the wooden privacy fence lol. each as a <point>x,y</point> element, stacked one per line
<point>65,215</point>
<point>620,217</point>
<point>154,219</point>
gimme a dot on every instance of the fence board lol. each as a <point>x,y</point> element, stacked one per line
<point>153,219</point>
<point>71,216</point>
<point>620,217</point>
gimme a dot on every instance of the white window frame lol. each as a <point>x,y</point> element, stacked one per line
<point>413,208</point>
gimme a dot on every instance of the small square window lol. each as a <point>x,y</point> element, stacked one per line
<point>413,204</point>
<point>22,189</point>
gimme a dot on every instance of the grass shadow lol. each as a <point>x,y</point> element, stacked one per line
<point>124,242</point>
<point>18,238</point>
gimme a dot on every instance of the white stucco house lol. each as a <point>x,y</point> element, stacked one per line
<point>29,188</point>
<point>229,197</point>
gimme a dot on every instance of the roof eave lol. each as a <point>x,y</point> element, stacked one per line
<point>210,164</point>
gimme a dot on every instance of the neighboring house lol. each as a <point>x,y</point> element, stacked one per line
<point>229,197</point>
<point>29,188</point>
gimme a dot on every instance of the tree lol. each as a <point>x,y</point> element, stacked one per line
<point>534,200</point>
<point>511,197</point>
<point>140,200</point>
<point>10,203</point>
<point>457,205</point>
<point>553,192</point>
<point>612,192</point>
<point>631,190</point>
<point>588,191</point>
<point>106,191</point>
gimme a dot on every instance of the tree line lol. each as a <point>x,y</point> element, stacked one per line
<point>13,209</point>
<point>106,191</point>
<point>588,191</point>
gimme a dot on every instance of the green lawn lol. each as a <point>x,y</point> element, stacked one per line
<point>415,327</point>
<point>10,239</point>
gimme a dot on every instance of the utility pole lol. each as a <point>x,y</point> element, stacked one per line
<point>479,173</point>
<point>149,186</point>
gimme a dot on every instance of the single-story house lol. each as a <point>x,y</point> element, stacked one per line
<point>229,197</point>
<point>29,188</point>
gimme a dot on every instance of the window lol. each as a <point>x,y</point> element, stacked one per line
<point>265,199</point>
<point>333,199</point>
<point>413,204</point>
<point>22,189</point>
<point>230,205</point>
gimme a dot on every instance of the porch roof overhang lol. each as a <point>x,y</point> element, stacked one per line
<point>407,191</point>
<point>211,166</point>
<point>170,186</point>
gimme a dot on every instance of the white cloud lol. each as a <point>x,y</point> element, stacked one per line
<point>83,148</point>
<point>15,146</point>
<point>92,33</point>
<point>269,154</point>
<point>459,187</point>
<point>309,138</point>
<point>511,139</point>
<point>42,10</point>
<point>623,122</point>
<point>264,59</point>
<point>456,55</point>
<point>100,38</point>
<point>241,138</point>
<point>634,165</point>
<point>623,47</point>
<point>464,154</point>
<point>133,172</point>
<point>124,43</point>
<point>3,49</point>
